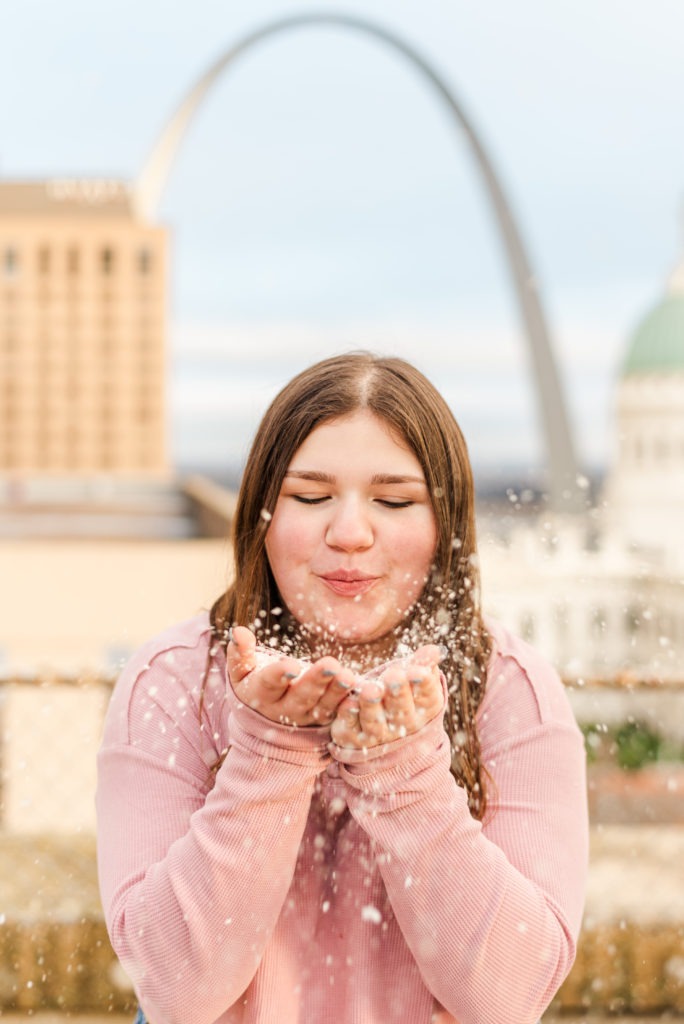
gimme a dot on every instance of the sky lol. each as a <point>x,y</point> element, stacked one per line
<point>323,198</point>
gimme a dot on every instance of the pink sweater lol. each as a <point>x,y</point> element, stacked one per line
<point>293,886</point>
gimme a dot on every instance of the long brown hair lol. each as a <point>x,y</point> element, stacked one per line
<point>448,611</point>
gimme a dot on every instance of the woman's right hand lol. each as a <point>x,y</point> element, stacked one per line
<point>284,689</point>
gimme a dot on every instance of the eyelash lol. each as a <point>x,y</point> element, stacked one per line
<point>381,501</point>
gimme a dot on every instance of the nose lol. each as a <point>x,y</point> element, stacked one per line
<point>349,528</point>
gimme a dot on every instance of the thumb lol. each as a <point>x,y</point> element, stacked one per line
<point>345,725</point>
<point>428,655</point>
<point>240,654</point>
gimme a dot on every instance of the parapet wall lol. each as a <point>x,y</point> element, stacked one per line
<point>54,949</point>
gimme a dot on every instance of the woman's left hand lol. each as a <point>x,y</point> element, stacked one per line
<point>406,697</point>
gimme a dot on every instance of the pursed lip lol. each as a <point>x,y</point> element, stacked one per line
<point>348,582</point>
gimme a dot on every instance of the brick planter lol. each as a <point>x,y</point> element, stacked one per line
<point>653,795</point>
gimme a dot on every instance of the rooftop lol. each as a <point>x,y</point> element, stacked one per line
<point>107,508</point>
<point>657,345</point>
<point>66,197</point>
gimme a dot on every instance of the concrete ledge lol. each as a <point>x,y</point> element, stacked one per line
<point>54,948</point>
<point>626,969</point>
<point>65,966</point>
<point>631,952</point>
<point>653,795</point>
<point>55,954</point>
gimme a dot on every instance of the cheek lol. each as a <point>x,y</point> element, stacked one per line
<point>288,546</point>
<point>413,559</point>
<point>416,548</point>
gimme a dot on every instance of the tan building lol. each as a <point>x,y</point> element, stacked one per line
<point>82,331</point>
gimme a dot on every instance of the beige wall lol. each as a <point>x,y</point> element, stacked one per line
<point>68,607</point>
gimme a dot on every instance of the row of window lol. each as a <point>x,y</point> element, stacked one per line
<point>46,453</point>
<point>50,297</point>
<point>111,389</point>
<point>633,621</point>
<point>72,260</point>
<point>141,352</point>
<point>143,357</point>
<point>658,449</point>
<point>127,460</point>
<point>104,411</point>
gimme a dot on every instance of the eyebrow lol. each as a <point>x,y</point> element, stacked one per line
<point>377,479</point>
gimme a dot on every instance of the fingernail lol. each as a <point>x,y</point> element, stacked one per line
<point>395,687</point>
<point>417,682</point>
<point>289,675</point>
<point>328,673</point>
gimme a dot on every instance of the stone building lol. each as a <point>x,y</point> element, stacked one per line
<point>603,595</point>
<point>645,489</point>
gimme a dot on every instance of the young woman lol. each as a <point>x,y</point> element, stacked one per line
<point>340,796</point>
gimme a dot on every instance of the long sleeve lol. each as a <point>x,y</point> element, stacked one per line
<point>490,913</point>
<point>193,878</point>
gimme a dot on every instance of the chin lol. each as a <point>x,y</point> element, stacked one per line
<point>353,635</point>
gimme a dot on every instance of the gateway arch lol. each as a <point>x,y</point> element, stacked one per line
<point>564,493</point>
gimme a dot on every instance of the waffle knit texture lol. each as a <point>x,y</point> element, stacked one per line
<point>301,883</point>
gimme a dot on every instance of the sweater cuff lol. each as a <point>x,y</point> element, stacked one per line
<point>273,740</point>
<point>386,768</point>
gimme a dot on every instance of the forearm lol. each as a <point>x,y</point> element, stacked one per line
<point>491,942</point>
<point>191,918</point>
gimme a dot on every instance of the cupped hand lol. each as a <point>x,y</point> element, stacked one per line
<point>404,698</point>
<point>285,689</point>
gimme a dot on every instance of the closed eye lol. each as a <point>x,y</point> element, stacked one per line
<point>394,504</point>
<point>310,501</point>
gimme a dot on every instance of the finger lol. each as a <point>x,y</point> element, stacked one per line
<point>428,654</point>
<point>310,685</point>
<point>426,686</point>
<point>371,711</point>
<point>240,654</point>
<point>398,701</point>
<point>277,676</point>
<point>263,688</point>
<point>339,686</point>
<point>345,727</point>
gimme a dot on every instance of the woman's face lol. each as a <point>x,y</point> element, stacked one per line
<point>353,533</point>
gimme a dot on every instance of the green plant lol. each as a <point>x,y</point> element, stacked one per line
<point>632,745</point>
<point>636,745</point>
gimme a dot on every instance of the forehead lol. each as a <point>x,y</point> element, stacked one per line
<point>358,439</point>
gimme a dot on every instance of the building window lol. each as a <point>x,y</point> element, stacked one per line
<point>73,261</point>
<point>638,449</point>
<point>598,623</point>
<point>11,262</point>
<point>144,261</point>
<point>9,340</point>
<point>527,630</point>
<point>560,618</point>
<point>632,619</point>
<point>44,260</point>
<point>107,260</point>
<point>661,449</point>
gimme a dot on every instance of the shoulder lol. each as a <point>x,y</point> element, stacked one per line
<point>166,672</point>
<point>523,690</point>
<point>189,635</point>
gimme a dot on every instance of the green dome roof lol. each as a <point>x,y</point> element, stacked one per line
<point>657,345</point>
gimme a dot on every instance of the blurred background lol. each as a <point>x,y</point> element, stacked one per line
<point>156,290</point>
